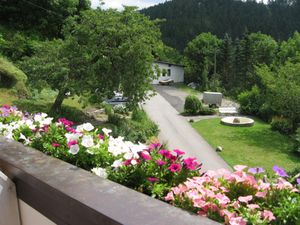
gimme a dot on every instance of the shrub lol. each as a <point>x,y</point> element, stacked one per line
<point>206,111</point>
<point>266,112</point>
<point>192,105</point>
<point>139,129</point>
<point>250,101</point>
<point>281,124</point>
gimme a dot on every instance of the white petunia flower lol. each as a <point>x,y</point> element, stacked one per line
<point>117,163</point>
<point>133,162</point>
<point>87,141</point>
<point>88,126</point>
<point>128,155</point>
<point>106,131</point>
<point>74,149</point>
<point>71,136</point>
<point>26,140</point>
<point>100,172</point>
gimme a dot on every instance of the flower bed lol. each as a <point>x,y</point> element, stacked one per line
<point>246,196</point>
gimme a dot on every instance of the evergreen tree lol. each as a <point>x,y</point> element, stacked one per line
<point>226,62</point>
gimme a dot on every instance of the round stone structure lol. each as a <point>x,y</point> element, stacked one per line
<point>237,121</point>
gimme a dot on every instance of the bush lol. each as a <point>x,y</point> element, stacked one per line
<point>266,112</point>
<point>281,124</point>
<point>192,105</point>
<point>250,101</point>
<point>206,111</point>
<point>139,129</point>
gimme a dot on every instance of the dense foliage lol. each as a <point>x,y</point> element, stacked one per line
<point>186,19</point>
<point>40,17</point>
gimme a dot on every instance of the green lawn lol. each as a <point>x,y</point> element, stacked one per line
<point>7,96</point>
<point>252,146</point>
<point>186,89</point>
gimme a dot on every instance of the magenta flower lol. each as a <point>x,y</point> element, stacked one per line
<point>55,145</point>
<point>72,142</point>
<point>65,122</point>
<point>154,146</point>
<point>175,167</point>
<point>165,153</point>
<point>71,130</point>
<point>153,179</point>
<point>101,137</point>
<point>145,155</point>
<point>256,170</point>
<point>160,162</point>
<point>178,152</point>
<point>280,171</point>
<point>298,181</point>
<point>191,163</point>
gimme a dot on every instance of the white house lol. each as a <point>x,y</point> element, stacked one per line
<point>168,71</point>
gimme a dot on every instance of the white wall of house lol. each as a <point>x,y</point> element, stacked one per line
<point>174,72</point>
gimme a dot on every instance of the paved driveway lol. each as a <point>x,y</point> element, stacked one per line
<point>178,133</point>
<point>176,97</point>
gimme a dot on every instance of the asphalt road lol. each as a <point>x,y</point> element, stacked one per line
<point>177,133</point>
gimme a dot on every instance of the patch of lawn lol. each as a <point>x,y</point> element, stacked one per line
<point>252,146</point>
<point>186,89</point>
<point>7,96</point>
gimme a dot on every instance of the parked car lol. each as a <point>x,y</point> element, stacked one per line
<point>167,81</point>
<point>118,99</point>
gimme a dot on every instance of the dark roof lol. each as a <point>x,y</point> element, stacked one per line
<point>169,63</point>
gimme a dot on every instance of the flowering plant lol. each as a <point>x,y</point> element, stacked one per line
<point>245,196</point>
<point>149,169</point>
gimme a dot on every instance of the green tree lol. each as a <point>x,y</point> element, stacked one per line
<point>103,52</point>
<point>200,57</point>
<point>226,63</point>
<point>283,90</point>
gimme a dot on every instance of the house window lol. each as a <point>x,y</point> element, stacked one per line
<point>169,72</point>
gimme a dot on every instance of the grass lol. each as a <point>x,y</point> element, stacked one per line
<point>252,146</point>
<point>186,89</point>
<point>7,96</point>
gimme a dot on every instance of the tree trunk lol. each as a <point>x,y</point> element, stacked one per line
<point>58,101</point>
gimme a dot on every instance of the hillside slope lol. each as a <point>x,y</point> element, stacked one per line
<point>185,19</point>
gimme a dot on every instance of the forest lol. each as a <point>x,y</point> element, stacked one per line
<point>183,20</point>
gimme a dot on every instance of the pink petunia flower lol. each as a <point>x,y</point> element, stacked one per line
<point>245,199</point>
<point>237,221</point>
<point>239,167</point>
<point>261,194</point>
<point>268,215</point>
<point>253,206</point>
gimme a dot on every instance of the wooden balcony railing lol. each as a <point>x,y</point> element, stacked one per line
<point>68,195</point>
